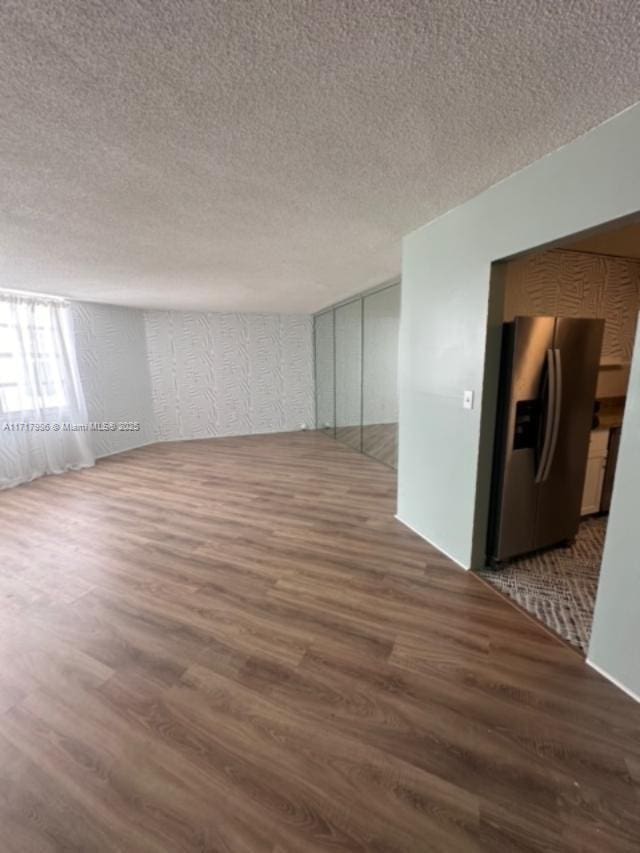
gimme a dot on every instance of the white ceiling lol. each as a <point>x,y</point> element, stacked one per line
<point>621,242</point>
<point>268,156</point>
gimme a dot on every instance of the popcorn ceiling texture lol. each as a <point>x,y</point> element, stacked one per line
<point>268,156</point>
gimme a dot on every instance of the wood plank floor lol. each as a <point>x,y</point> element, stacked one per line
<point>231,645</point>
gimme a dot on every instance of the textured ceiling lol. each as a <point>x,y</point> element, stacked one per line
<point>270,155</point>
<point>622,242</point>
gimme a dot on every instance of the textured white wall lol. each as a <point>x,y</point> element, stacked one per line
<point>112,360</point>
<point>576,284</point>
<point>229,374</point>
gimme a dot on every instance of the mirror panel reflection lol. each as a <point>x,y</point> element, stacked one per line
<point>348,329</point>
<point>356,370</point>
<point>380,375</point>
<point>325,373</point>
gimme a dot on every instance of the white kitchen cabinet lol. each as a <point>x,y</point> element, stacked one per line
<point>596,466</point>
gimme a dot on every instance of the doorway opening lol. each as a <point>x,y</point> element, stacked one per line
<point>569,317</point>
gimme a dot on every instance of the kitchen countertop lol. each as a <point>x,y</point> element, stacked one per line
<point>609,421</point>
<point>611,412</point>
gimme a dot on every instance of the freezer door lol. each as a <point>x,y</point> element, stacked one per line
<point>522,422</point>
<point>577,347</point>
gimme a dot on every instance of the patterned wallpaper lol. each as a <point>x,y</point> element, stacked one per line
<point>577,284</point>
<point>229,374</point>
<point>191,375</point>
<point>112,360</point>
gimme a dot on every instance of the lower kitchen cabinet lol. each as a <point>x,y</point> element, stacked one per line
<point>596,467</point>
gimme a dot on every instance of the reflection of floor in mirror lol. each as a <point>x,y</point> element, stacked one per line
<point>559,586</point>
<point>378,440</point>
<point>381,442</point>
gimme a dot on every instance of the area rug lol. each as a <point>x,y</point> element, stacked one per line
<point>559,586</point>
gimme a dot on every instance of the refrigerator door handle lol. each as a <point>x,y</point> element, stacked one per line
<point>557,413</point>
<point>549,415</point>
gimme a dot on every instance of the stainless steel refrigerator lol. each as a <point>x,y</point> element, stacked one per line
<point>548,380</point>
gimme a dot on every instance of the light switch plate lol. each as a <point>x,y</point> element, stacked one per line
<point>467,400</point>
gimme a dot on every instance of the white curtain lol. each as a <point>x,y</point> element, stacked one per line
<point>43,416</point>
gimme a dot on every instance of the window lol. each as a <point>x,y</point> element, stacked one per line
<point>31,359</point>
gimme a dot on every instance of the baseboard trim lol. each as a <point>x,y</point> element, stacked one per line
<point>125,450</point>
<point>433,544</point>
<point>613,680</point>
<point>178,438</point>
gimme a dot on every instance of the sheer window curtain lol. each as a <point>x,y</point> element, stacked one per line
<point>41,397</point>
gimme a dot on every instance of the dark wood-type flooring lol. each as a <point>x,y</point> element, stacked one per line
<point>231,645</point>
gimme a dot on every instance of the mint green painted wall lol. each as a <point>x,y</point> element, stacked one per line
<point>444,455</point>
<point>615,638</point>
